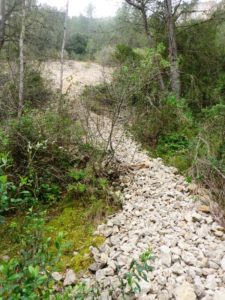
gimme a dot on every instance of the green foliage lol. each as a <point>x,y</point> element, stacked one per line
<point>124,53</point>
<point>36,169</point>
<point>78,224</point>
<point>129,282</point>
<point>173,142</point>
<point>37,93</point>
<point>28,275</point>
<point>87,187</point>
<point>201,63</point>
<point>137,271</point>
<point>13,197</point>
<point>209,152</point>
<point>162,121</point>
<point>77,43</point>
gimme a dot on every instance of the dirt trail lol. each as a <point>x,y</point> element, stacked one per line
<point>159,212</point>
<point>76,74</point>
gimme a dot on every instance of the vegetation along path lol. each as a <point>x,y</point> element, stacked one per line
<point>160,213</point>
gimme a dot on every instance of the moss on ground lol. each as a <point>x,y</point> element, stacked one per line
<point>10,230</point>
<point>77,222</point>
<point>78,232</point>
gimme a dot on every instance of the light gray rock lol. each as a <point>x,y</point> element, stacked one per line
<point>177,269</point>
<point>100,275</point>
<point>185,292</point>
<point>103,258</point>
<point>115,240</point>
<point>223,263</point>
<point>199,286</point>
<point>218,233</point>
<point>70,278</point>
<point>196,217</point>
<point>57,276</point>
<point>163,295</point>
<point>188,258</point>
<point>108,271</point>
<point>107,232</point>
<point>145,286</point>
<point>211,283</point>
<point>165,256</point>
<point>203,231</point>
<point>219,295</point>
<point>95,267</point>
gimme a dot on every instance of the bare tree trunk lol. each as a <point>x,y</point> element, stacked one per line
<point>21,61</point>
<point>147,31</point>
<point>61,101</point>
<point>2,22</point>
<point>173,57</point>
<point>63,47</point>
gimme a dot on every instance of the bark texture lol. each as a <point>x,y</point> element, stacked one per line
<point>173,57</point>
<point>2,22</point>
<point>63,47</point>
<point>21,60</point>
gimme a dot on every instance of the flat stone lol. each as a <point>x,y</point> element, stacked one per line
<point>100,275</point>
<point>218,233</point>
<point>204,209</point>
<point>203,231</point>
<point>196,217</point>
<point>145,286</point>
<point>103,258</point>
<point>107,232</point>
<point>95,267</point>
<point>192,187</point>
<point>185,292</point>
<point>177,269</point>
<point>164,295</point>
<point>223,263</point>
<point>211,282</point>
<point>219,295</point>
<point>165,256</point>
<point>188,258</point>
<point>70,278</point>
<point>57,276</point>
<point>109,271</point>
<point>115,240</point>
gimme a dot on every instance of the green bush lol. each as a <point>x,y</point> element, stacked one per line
<point>77,44</point>
<point>37,92</point>
<point>209,152</point>
<point>35,170</point>
<point>158,123</point>
<point>124,53</point>
<point>28,275</point>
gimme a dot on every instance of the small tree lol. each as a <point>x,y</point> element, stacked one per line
<point>2,22</point>
<point>21,59</point>
<point>63,51</point>
<point>77,44</point>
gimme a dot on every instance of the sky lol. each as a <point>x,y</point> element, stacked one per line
<point>103,8</point>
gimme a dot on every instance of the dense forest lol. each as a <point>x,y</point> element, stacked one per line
<point>64,174</point>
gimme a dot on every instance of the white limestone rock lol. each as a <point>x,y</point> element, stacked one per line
<point>165,256</point>
<point>70,278</point>
<point>185,292</point>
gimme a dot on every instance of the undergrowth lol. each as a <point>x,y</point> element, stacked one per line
<point>170,127</point>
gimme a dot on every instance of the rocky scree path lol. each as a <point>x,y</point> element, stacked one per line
<point>159,212</point>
